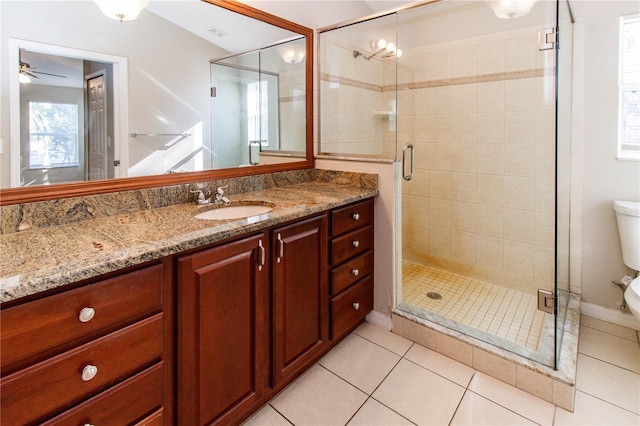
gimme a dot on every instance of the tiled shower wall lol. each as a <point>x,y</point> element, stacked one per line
<point>292,103</point>
<point>480,114</point>
<point>357,101</point>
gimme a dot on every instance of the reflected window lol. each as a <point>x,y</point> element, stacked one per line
<point>53,135</point>
<point>258,112</point>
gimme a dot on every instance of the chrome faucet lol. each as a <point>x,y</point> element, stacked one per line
<point>201,200</point>
<point>218,196</point>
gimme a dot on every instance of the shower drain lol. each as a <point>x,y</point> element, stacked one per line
<point>433,295</point>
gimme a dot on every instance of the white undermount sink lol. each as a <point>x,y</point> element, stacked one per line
<point>234,212</point>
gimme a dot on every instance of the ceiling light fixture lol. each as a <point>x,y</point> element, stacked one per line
<point>509,9</point>
<point>122,10</point>
<point>380,46</point>
<point>292,53</point>
<point>24,78</point>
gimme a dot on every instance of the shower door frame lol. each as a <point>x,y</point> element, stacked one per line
<point>401,171</point>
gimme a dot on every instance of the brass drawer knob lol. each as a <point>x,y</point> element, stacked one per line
<point>86,314</point>
<point>356,243</point>
<point>356,216</point>
<point>89,372</point>
<point>356,305</point>
<point>355,272</point>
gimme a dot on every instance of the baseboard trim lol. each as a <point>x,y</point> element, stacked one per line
<point>610,315</point>
<point>379,319</point>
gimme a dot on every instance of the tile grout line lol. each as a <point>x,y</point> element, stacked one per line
<point>370,396</point>
<point>283,416</point>
<point>637,340</point>
<point>607,402</point>
<point>466,389</point>
<point>509,409</point>
<point>610,363</point>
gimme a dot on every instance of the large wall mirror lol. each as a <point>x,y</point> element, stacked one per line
<point>189,90</point>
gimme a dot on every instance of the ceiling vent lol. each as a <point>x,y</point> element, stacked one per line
<point>217,32</point>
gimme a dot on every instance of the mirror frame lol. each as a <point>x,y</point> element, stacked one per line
<point>31,194</point>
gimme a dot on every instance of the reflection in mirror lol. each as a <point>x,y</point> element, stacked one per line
<point>108,99</point>
<point>267,87</point>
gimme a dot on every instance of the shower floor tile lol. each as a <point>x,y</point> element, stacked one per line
<point>508,314</point>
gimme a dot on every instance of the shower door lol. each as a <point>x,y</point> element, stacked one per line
<point>476,128</point>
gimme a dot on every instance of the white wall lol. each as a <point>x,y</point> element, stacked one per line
<point>605,178</point>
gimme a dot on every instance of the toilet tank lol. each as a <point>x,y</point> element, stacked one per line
<point>628,217</point>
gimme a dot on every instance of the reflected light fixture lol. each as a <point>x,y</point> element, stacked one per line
<point>24,78</point>
<point>387,49</point>
<point>122,10</point>
<point>292,53</point>
<point>509,9</point>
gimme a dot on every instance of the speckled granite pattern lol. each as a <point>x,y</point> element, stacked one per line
<point>40,259</point>
<point>20,217</point>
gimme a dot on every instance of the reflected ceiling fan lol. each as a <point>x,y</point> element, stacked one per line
<point>26,72</point>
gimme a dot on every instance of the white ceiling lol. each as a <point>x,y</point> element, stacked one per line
<point>240,33</point>
<point>322,13</point>
<point>229,30</point>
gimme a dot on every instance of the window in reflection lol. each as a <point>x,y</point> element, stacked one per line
<point>53,135</point>
<point>258,112</point>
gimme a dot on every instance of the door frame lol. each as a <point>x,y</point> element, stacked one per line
<point>120,100</point>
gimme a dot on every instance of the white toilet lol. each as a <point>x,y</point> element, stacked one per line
<point>628,217</point>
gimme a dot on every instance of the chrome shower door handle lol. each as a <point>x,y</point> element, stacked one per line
<point>405,175</point>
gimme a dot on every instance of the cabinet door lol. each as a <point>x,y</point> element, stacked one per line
<point>300,306</point>
<point>222,331</point>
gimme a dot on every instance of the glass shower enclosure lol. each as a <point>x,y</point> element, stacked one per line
<point>477,110</point>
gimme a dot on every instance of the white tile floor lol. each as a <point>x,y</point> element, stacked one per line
<point>375,377</point>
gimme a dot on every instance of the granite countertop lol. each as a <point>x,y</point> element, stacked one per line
<point>42,259</point>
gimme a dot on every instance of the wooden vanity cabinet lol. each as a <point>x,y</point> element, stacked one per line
<point>300,311</point>
<point>241,321</point>
<point>96,353</point>
<point>223,338</point>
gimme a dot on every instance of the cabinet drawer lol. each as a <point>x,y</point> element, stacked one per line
<point>123,404</point>
<point>155,419</point>
<point>352,271</point>
<point>351,217</point>
<point>52,384</point>
<point>351,245</point>
<point>350,307</point>
<point>32,329</point>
